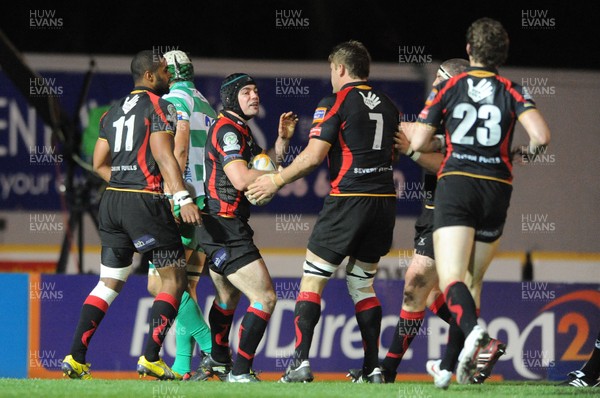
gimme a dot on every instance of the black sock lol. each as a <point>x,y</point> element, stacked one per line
<point>162,315</point>
<point>220,321</point>
<point>92,312</point>
<point>251,332</point>
<point>456,340</point>
<point>462,306</point>
<point>368,316</point>
<point>306,317</point>
<point>592,366</point>
<point>407,328</point>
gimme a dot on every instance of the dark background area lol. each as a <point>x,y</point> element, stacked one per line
<point>248,30</point>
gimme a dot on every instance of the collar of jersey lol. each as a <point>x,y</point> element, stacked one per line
<point>482,71</point>
<point>355,84</point>
<point>233,117</point>
<point>138,89</point>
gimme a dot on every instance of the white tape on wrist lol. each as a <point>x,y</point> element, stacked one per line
<point>182,198</point>
<point>415,155</point>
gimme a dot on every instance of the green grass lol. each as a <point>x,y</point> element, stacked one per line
<point>157,389</point>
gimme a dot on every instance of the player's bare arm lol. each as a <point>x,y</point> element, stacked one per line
<point>182,143</point>
<point>308,160</point>
<point>240,175</point>
<point>536,127</point>
<point>161,145</point>
<point>102,159</point>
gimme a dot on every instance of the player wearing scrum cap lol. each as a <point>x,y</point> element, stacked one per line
<point>194,117</point>
<point>235,263</point>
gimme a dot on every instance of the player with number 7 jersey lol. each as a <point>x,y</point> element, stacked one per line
<point>354,128</point>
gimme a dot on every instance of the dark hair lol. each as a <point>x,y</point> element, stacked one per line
<point>489,42</point>
<point>144,61</point>
<point>454,66</point>
<point>354,56</point>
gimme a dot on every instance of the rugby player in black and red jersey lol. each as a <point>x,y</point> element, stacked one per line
<point>134,154</point>
<point>421,282</point>
<point>479,109</point>
<point>354,127</point>
<point>235,263</point>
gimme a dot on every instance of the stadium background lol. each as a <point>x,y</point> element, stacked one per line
<point>284,44</point>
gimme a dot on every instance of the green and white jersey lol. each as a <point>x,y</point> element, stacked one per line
<point>194,108</point>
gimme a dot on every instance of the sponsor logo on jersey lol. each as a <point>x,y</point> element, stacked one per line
<point>432,95</point>
<point>314,132</point>
<point>319,115</point>
<point>231,142</point>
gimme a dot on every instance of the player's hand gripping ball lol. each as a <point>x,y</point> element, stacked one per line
<point>261,162</point>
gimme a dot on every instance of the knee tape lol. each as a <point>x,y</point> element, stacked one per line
<point>104,293</point>
<point>320,270</point>
<point>359,283</point>
<point>115,273</point>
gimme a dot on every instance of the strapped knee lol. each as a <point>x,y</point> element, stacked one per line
<point>360,283</point>
<point>120,274</point>
<point>320,270</point>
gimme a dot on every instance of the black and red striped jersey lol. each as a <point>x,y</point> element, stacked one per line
<point>127,126</point>
<point>360,124</point>
<point>479,109</point>
<point>229,140</point>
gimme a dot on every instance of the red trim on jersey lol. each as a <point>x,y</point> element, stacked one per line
<point>346,163</point>
<point>141,159</point>
<point>225,209</point>
<point>154,99</point>
<point>449,149</point>
<point>505,149</point>
<point>340,97</point>
<point>450,83</point>
<point>510,88</point>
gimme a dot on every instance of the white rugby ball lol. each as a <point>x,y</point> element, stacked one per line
<point>261,162</point>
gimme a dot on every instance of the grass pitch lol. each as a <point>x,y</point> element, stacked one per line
<point>172,389</point>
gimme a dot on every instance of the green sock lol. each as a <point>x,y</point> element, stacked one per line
<point>190,326</point>
<point>183,338</point>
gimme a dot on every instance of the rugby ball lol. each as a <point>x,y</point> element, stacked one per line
<point>261,162</point>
